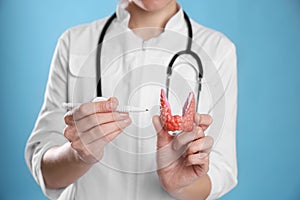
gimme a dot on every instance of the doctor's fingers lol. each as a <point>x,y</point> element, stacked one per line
<point>93,152</point>
<point>88,153</point>
<point>103,132</point>
<point>70,132</point>
<point>203,120</point>
<point>186,137</point>
<point>91,121</point>
<point>202,145</point>
<point>90,108</point>
<point>199,161</point>
<point>95,133</point>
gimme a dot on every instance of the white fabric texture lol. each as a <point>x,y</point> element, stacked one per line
<point>134,71</point>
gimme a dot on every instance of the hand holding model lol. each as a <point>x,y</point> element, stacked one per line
<point>182,159</point>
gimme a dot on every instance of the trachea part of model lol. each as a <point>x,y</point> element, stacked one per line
<point>176,124</point>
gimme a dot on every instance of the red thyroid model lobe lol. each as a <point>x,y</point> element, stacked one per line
<point>176,124</point>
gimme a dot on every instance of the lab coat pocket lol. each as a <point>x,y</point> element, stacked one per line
<point>82,78</point>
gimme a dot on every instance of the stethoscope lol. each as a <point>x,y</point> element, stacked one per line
<point>187,51</point>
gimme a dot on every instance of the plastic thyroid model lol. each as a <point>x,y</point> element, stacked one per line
<point>176,124</point>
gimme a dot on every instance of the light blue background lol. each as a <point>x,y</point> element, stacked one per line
<point>267,36</point>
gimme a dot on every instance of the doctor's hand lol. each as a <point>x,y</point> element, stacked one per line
<point>183,159</point>
<point>91,126</point>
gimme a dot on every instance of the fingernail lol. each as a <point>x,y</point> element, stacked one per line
<point>126,121</point>
<point>123,116</point>
<point>110,105</point>
<point>202,155</point>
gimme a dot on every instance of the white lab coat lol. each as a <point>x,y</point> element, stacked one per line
<point>134,71</point>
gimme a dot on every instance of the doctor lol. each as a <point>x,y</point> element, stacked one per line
<point>94,152</point>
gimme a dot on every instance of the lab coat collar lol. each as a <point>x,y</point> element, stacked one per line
<point>175,23</point>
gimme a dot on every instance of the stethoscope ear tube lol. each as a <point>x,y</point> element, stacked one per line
<point>200,71</point>
<point>98,55</point>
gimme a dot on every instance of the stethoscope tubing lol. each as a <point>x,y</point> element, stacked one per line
<point>187,51</point>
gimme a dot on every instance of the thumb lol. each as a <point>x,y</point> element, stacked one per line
<point>105,105</point>
<point>163,138</point>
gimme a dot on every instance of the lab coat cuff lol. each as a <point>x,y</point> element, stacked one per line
<point>213,192</point>
<point>221,182</point>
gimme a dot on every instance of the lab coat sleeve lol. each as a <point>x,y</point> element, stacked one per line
<point>48,130</point>
<point>223,163</point>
